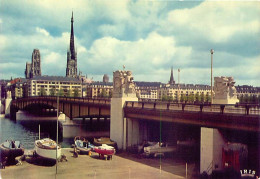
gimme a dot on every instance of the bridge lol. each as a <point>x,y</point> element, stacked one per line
<point>237,117</point>
<point>71,107</point>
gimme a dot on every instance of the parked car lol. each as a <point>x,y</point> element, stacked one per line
<point>159,149</point>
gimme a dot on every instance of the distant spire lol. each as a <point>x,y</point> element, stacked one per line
<point>72,46</point>
<point>171,78</point>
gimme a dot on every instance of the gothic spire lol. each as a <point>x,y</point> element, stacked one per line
<point>171,78</point>
<point>72,46</point>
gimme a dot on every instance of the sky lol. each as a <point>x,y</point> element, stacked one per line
<point>148,37</point>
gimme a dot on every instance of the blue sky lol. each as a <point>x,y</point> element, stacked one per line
<point>148,37</point>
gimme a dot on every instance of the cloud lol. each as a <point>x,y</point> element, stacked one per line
<point>42,31</point>
<point>147,36</point>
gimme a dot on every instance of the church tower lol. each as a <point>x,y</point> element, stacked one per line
<point>172,82</point>
<point>36,63</point>
<point>71,70</point>
<point>34,69</point>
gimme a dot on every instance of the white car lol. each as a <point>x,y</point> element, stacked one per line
<point>159,149</point>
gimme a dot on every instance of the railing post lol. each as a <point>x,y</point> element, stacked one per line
<point>154,105</point>
<point>142,105</point>
<point>247,109</point>
<point>222,107</point>
<point>132,104</point>
<point>183,106</point>
<point>201,107</point>
<point>168,106</point>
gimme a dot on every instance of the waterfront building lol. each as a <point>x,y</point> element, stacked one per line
<point>34,68</point>
<point>98,89</point>
<point>54,85</point>
<point>71,70</point>
<point>147,90</point>
<point>246,93</point>
<point>181,92</point>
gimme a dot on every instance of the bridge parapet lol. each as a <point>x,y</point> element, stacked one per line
<point>214,108</point>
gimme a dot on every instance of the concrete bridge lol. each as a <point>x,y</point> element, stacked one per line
<point>71,107</point>
<point>238,117</point>
<point>139,119</point>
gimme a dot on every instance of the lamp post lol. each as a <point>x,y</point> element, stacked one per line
<point>179,85</point>
<point>211,98</point>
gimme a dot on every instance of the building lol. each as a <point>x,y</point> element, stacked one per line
<point>34,68</point>
<point>147,90</point>
<point>54,85</point>
<point>105,78</point>
<point>182,92</point>
<point>247,93</point>
<point>98,89</point>
<point>71,70</point>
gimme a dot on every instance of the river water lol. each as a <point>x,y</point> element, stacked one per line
<point>28,131</point>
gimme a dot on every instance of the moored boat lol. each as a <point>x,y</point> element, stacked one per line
<point>105,140</point>
<point>11,149</point>
<point>46,148</point>
<point>82,144</point>
<point>105,150</point>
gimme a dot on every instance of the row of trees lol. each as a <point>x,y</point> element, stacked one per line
<point>190,98</point>
<point>61,92</point>
<point>249,99</point>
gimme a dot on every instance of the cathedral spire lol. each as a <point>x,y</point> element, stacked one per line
<point>71,70</point>
<point>171,78</point>
<point>72,46</point>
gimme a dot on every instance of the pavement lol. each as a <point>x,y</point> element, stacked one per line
<point>122,165</point>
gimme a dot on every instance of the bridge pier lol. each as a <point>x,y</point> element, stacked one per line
<point>211,143</point>
<point>118,122</point>
<point>8,101</point>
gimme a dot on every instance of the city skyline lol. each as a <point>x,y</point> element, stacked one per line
<point>147,37</point>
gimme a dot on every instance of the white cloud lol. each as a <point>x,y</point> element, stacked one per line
<point>42,31</point>
<point>139,34</point>
<point>217,21</point>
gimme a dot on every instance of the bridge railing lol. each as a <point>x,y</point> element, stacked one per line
<point>69,99</point>
<point>216,108</point>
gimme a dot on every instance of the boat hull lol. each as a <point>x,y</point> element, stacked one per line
<point>47,153</point>
<point>105,140</point>
<point>10,153</point>
<point>104,151</point>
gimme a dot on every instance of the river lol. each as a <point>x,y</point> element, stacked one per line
<point>28,131</point>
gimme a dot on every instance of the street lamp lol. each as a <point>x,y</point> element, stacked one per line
<point>179,85</point>
<point>211,51</point>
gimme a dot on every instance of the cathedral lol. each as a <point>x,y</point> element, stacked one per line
<point>34,69</point>
<point>71,70</point>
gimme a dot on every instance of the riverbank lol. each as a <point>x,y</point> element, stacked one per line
<point>123,165</point>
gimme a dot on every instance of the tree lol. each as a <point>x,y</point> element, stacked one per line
<point>197,97</point>
<point>52,92</point>
<point>208,98</point>
<point>241,99</point>
<point>61,92</point>
<point>169,98</point>
<point>202,97</point>
<point>42,92</point>
<point>69,93</point>
<point>103,93</point>
<point>183,98</point>
<point>191,98</point>
<point>246,98</point>
<point>164,98</point>
<point>76,92</point>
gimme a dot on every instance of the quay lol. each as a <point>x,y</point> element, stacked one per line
<point>123,165</point>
